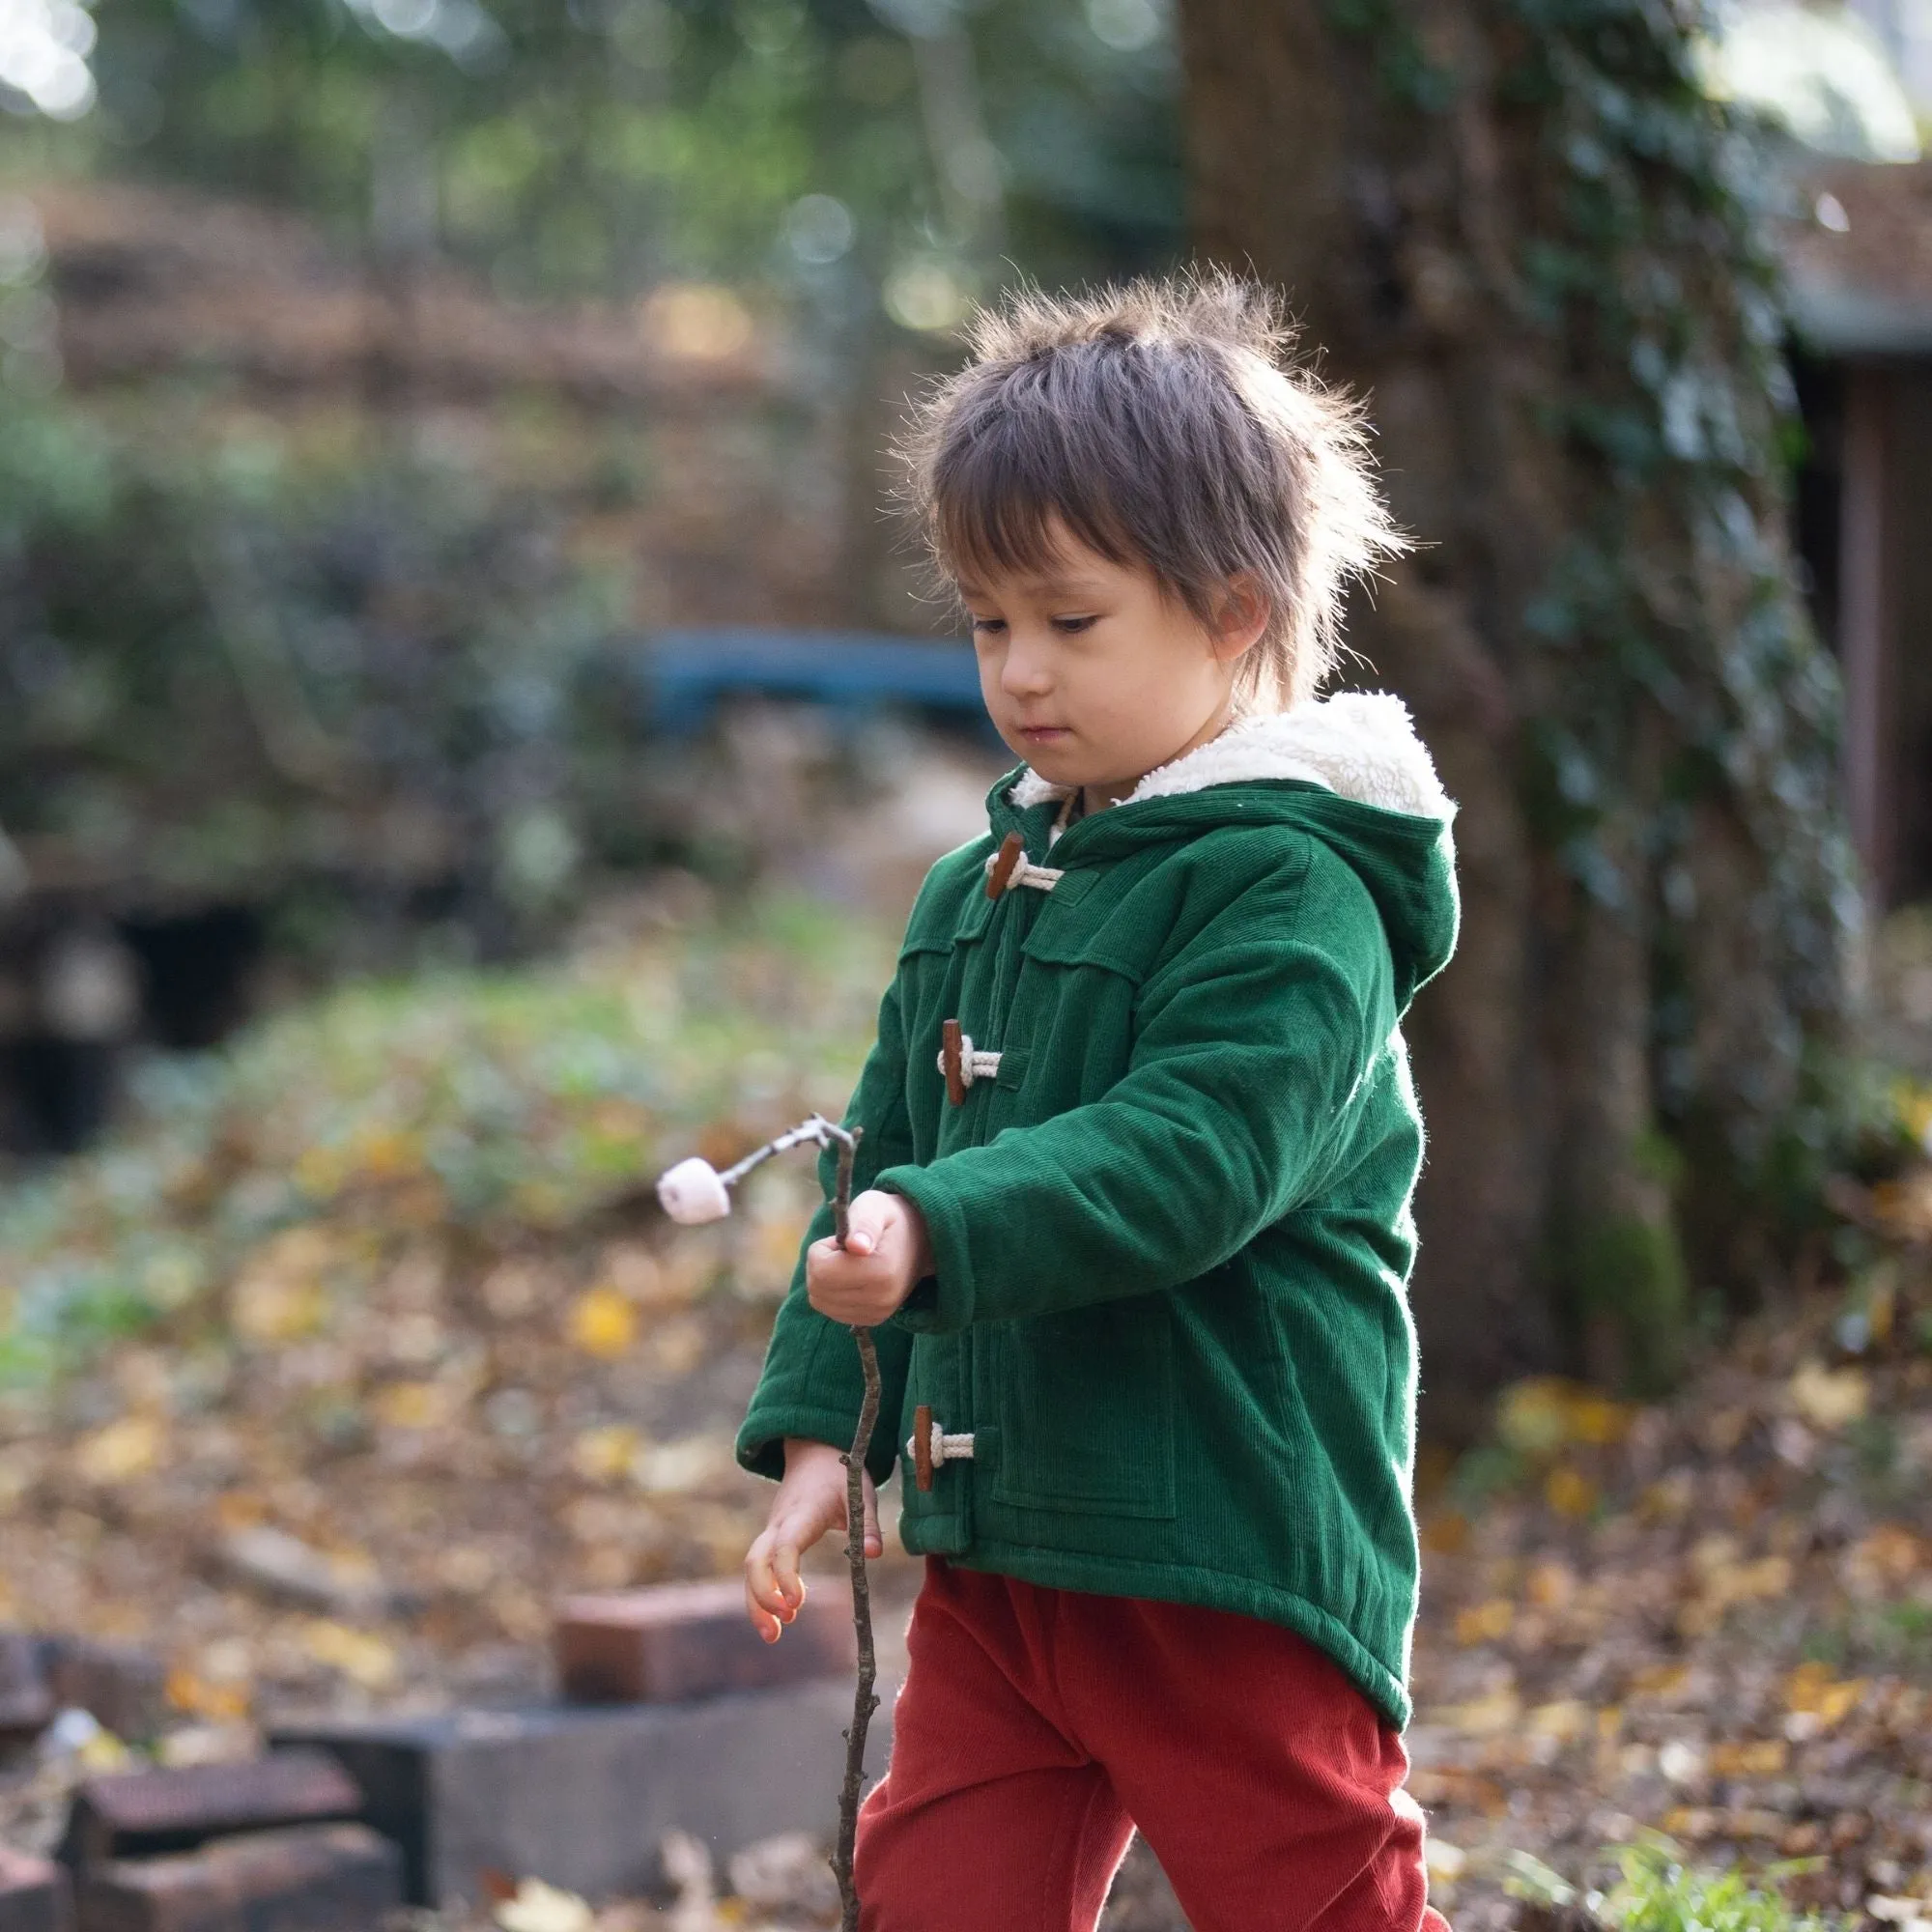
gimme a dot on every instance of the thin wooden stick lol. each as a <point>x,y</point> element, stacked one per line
<point>865,1702</point>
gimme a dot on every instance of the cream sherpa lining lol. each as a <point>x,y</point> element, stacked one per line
<point>1358,744</point>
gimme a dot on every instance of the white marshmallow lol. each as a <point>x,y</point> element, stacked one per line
<point>693,1192</point>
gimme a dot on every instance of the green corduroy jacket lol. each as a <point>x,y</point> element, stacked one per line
<point>1171,1224</point>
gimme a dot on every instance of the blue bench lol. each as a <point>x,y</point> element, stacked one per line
<point>685,673</point>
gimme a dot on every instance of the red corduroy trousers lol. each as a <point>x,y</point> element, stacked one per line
<point>1037,1727</point>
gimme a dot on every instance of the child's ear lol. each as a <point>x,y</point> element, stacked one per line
<point>1241,617</point>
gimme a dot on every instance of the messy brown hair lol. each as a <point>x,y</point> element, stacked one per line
<point>1162,423</point>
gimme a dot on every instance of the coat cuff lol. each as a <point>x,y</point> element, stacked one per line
<point>944,1303</point>
<point>762,1439</point>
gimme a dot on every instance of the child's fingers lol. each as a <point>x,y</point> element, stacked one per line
<point>767,1626</point>
<point>762,1601</point>
<point>784,1569</point>
<point>875,1543</point>
<point>772,1591</point>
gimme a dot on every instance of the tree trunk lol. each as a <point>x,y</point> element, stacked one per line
<point>1517,227</point>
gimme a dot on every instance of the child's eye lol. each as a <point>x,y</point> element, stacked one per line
<point>988,626</point>
<point>1071,627</point>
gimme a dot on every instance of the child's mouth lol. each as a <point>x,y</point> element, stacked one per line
<point>1043,734</point>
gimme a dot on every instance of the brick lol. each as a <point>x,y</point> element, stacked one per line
<point>581,1796</point>
<point>140,1813</point>
<point>26,1698</point>
<point>683,1640</point>
<point>33,1894</point>
<point>123,1688</point>
<point>309,1878</point>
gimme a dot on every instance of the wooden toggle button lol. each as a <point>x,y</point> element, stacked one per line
<point>954,1061</point>
<point>1013,849</point>
<point>922,1445</point>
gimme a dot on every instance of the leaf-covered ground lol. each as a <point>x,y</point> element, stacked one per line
<point>365,1339</point>
<point>386,1280</point>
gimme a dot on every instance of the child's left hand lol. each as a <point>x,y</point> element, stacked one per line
<point>886,1251</point>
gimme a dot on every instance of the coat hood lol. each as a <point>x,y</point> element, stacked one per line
<point>1348,770</point>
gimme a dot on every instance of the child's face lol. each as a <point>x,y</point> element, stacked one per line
<point>1094,675</point>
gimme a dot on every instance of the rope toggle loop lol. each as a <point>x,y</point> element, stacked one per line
<point>928,1445</point>
<point>961,1062</point>
<point>1010,865</point>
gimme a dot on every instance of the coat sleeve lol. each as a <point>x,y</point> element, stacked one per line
<point>1250,1051</point>
<point>811,1384</point>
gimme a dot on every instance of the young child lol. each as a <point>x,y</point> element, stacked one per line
<point>1139,1148</point>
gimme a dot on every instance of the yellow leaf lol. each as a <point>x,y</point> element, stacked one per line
<point>280,1295</point>
<point>1550,1586</point>
<point>320,1172</point>
<point>1760,1757</point>
<point>1811,1691</point>
<point>389,1154</point>
<point>1533,1416</point>
<point>196,1697</point>
<point>1569,1491</point>
<point>360,1657</point>
<point>1665,1683</point>
<point>121,1451</point>
<point>239,1509</point>
<point>1484,1717</point>
<point>1567,1719</point>
<point>1483,1623</point>
<point>602,1323</point>
<point>104,1751</point>
<point>272,1309</point>
<point>1883,1562</point>
<point>605,1455</point>
<point>1598,1420</point>
<point>412,1404</point>
<point>1768,1578</point>
<point>1827,1399</point>
<point>1914,1104</point>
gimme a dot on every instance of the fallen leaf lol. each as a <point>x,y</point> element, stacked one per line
<point>1566,1720</point>
<point>361,1656</point>
<point>1830,1398</point>
<point>1570,1492</point>
<point>605,1455</point>
<point>538,1906</point>
<point>1550,1586</point>
<point>1881,1563</point>
<point>602,1322</point>
<point>196,1697</point>
<point>413,1405</point>
<point>1485,1623</point>
<point>121,1451</point>
<point>1812,1692</point>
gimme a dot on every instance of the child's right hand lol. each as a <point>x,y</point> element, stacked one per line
<point>810,1501</point>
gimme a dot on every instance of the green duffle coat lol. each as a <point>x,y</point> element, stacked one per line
<point>1167,1334</point>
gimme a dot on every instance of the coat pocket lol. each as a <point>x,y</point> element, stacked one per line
<point>1086,1409</point>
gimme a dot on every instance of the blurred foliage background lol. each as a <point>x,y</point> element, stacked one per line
<point>374,374</point>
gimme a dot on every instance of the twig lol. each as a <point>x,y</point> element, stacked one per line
<point>693,1192</point>
<point>865,1702</point>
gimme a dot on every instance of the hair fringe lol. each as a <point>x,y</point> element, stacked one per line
<point>1335,527</point>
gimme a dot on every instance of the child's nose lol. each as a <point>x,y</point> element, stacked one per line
<point>1025,673</point>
